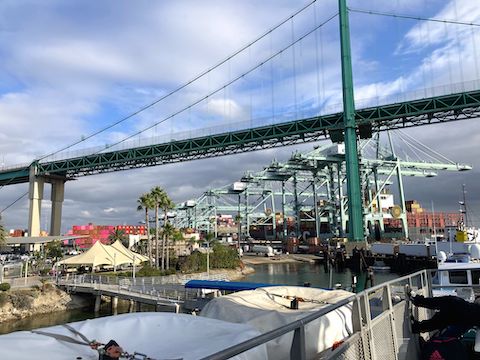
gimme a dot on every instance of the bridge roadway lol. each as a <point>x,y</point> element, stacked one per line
<point>151,291</point>
<point>426,111</point>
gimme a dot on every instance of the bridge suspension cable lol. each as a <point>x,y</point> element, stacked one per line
<point>196,102</point>
<point>14,202</point>
<point>183,86</point>
<point>412,17</point>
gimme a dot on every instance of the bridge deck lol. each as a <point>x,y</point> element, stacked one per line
<point>432,110</point>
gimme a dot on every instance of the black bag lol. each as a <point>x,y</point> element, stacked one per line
<point>442,348</point>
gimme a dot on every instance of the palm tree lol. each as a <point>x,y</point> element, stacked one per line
<point>168,232</point>
<point>158,196</point>
<point>118,235</point>
<point>166,204</point>
<point>209,239</point>
<point>238,220</point>
<point>145,202</point>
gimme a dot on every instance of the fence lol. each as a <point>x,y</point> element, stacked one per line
<point>159,287</point>
<point>22,282</point>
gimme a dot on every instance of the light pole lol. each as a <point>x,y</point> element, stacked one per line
<point>208,259</point>
<point>133,273</point>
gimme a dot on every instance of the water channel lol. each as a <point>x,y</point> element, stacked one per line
<point>287,274</point>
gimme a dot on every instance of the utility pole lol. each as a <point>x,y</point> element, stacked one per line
<point>355,213</point>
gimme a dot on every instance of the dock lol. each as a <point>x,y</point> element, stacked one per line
<point>153,291</point>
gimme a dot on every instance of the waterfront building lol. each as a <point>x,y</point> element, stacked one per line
<point>101,233</point>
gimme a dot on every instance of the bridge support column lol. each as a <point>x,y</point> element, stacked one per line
<point>58,195</point>
<point>138,306</point>
<point>35,196</point>
<point>114,303</point>
<point>131,306</point>
<point>98,300</point>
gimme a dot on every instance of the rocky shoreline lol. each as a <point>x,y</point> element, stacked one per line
<point>22,303</point>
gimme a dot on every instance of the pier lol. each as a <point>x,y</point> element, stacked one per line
<point>165,296</point>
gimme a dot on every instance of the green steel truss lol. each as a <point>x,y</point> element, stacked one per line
<point>400,115</point>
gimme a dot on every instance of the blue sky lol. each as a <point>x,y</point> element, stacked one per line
<point>70,68</point>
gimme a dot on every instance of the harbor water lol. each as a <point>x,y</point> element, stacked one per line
<point>281,274</point>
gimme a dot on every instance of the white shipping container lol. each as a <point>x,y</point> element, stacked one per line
<point>414,250</point>
<point>239,186</point>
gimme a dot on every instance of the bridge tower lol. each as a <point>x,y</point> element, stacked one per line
<point>355,208</point>
<point>36,196</point>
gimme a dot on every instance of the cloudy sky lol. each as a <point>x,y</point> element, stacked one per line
<point>71,68</point>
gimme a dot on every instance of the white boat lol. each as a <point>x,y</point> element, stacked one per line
<point>456,276</point>
<point>159,336</point>
<point>268,308</point>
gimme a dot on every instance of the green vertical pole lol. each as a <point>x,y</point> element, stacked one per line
<point>285,223</point>
<point>355,212</point>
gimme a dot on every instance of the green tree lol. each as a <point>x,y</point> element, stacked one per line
<point>118,235</point>
<point>53,250</point>
<point>177,236</point>
<point>224,257</point>
<point>164,203</point>
<point>167,233</point>
<point>146,202</point>
<point>158,195</point>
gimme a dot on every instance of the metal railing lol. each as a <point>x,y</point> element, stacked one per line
<point>169,288</point>
<point>381,318</point>
<point>23,282</point>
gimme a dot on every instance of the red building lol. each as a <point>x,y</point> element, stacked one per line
<point>101,233</point>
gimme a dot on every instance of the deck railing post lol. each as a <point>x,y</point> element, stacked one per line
<point>388,296</point>
<point>297,350</point>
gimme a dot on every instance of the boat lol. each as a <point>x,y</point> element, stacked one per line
<point>267,308</point>
<point>379,266</point>
<point>457,275</point>
<point>155,336</point>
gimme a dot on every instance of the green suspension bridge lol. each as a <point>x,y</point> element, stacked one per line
<point>345,126</point>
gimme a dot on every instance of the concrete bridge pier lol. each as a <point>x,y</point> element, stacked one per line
<point>58,195</point>
<point>98,300</point>
<point>114,303</point>
<point>138,306</point>
<point>131,306</point>
<point>35,196</point>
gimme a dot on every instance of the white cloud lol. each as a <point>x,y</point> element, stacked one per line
<point>70,68</point>
<point>110,210</point>
<point>85,214</point>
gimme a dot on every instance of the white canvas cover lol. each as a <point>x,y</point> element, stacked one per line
<point>97,255</point>
<point>269,308</point>
<point>158,335</point>
<point>129,253</point>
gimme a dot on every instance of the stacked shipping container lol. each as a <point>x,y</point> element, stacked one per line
<point>101,233</point>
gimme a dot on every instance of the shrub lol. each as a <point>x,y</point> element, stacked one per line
<point>148,270</point>
<point>224,257</point>
<point>4,286</point>
<point>21,301</point>
<point>4,298</point>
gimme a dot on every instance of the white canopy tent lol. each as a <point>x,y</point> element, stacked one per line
<point>129,253</point>
<point>99,254</point>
